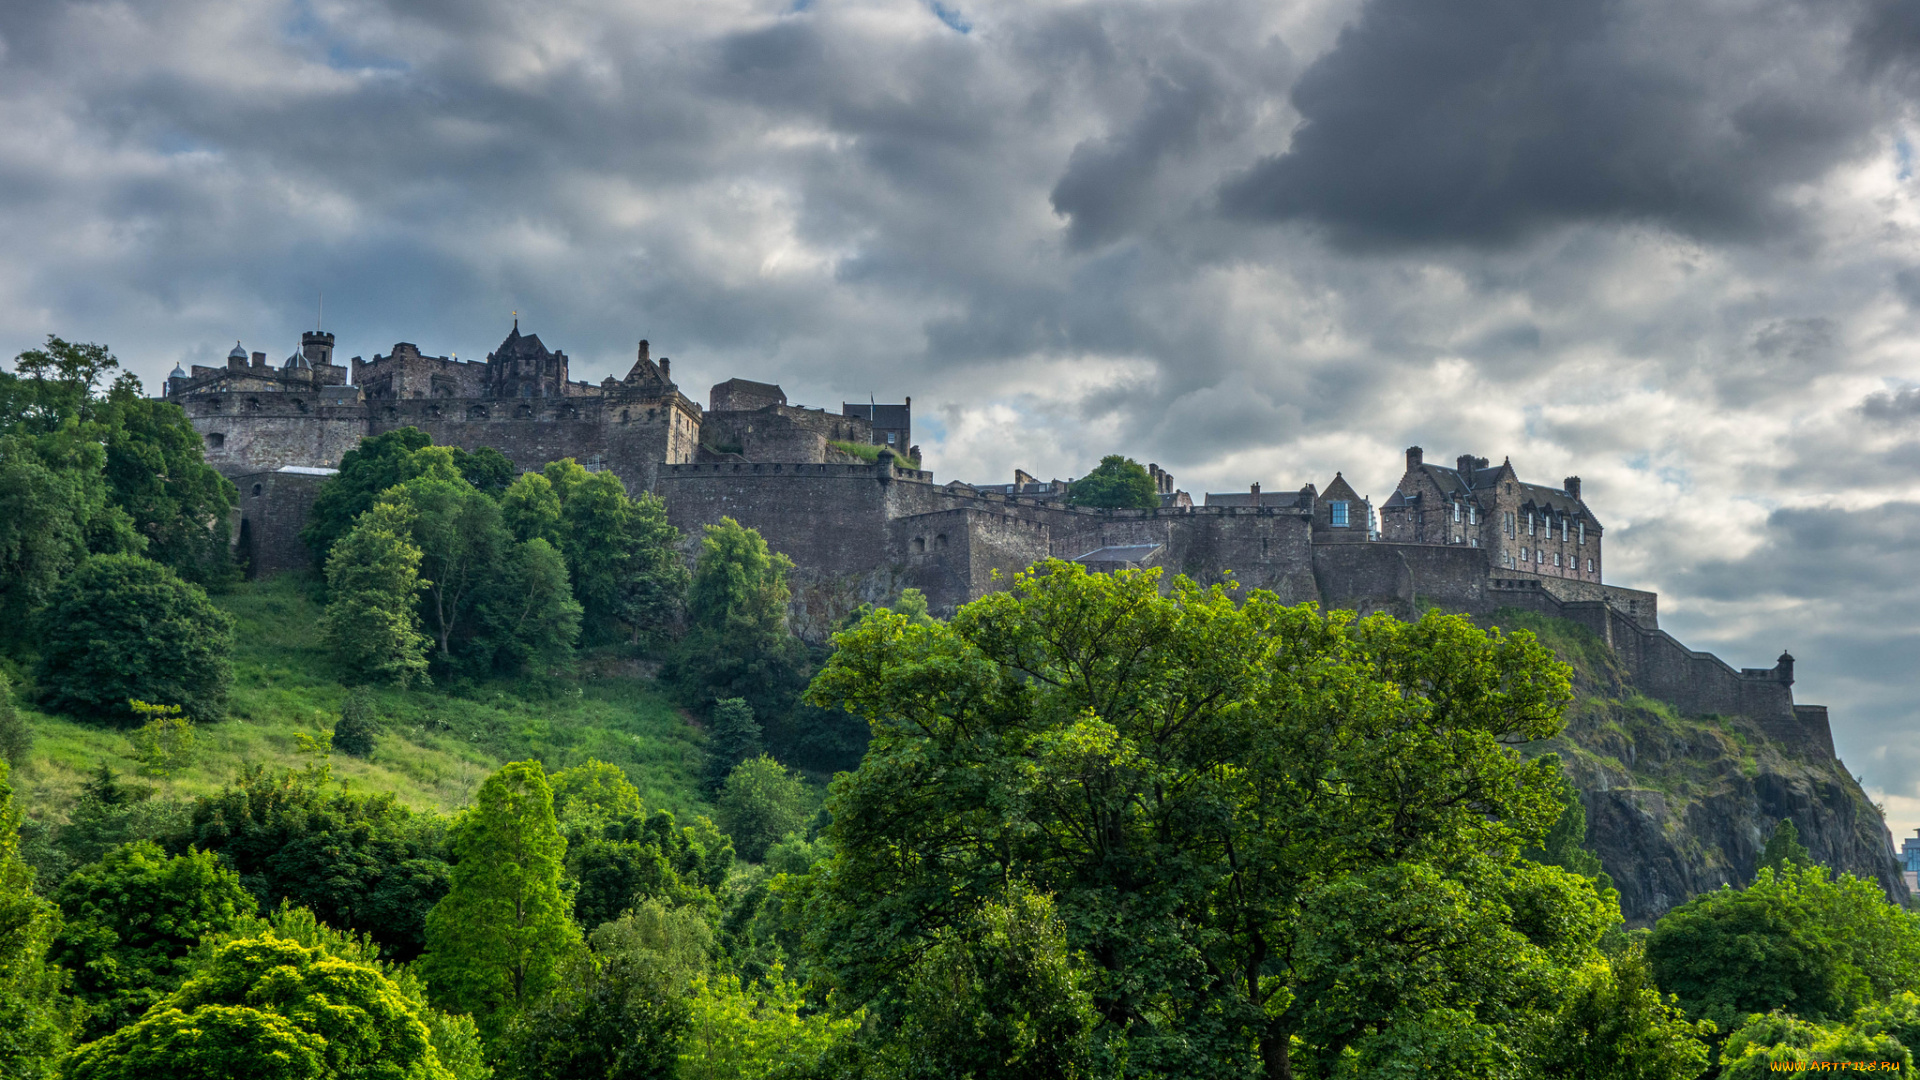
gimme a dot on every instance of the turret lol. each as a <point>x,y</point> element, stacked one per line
<point>1784,669</point>
<point>317,347</point>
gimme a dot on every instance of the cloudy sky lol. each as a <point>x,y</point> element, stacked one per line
<point>1673,248</point>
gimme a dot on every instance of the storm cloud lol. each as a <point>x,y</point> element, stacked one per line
<point>1669,248</point>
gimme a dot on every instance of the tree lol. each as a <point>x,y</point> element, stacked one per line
<point>737,643</point>
<point>1276,833</point>
<point>1617,1025</point>
<point>372,621</point>
<point>619,856</point>
<point>527,618</point>
<point>620,1013</point>
<point>131,921</point>
<point>1118,483</point>
<point>461,541</point>
<point>760,803</point>
<point>530,509</point>
<point>53,511</point>
<point>485,468</point>
<point>366,472</point>
<point>734,737</point>
<point>1798,940</point>
<point>268,1007</point>
<point>1778,1042</point>
<point>358,724</point>
<point>16,737</point>
<point>122,628</point>
<point>743,1031</point>
<point>500,939</point>
<point>156,471</point>
<point>360,862</point>
<point>1784,850</point>
<point>999,997</point>
<point>164,743</point>
<point>37,1018</point>
<point>622,553</point>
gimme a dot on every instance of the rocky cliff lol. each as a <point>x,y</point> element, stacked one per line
<point>1677,805</point>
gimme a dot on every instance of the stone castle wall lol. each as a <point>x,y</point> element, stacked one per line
<point>273,508</point>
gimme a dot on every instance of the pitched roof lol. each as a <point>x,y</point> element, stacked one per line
<point>883,416</point>
<point>758,389</point>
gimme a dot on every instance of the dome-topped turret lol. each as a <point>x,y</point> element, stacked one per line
<point>178,372</point>
<point>238,353</point>
<point>297,362</point>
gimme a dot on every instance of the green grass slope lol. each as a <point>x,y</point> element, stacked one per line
<point>437,746</point>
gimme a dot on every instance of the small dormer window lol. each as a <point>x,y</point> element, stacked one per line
<point>1337,513</point>
<point>1583,533</point>
<point>1473,514</point>
<point>1456,512</point>
<point>1530,523</point>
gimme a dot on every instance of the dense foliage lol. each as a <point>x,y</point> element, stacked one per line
<point>37,1018</point>
<point>1117,483</point>
<point>122,628</point>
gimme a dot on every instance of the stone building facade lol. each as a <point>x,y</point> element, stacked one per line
<point>1473,537</point>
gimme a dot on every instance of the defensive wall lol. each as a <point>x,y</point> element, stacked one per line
<point>272,510</point>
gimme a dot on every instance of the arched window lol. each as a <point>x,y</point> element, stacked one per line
<point>919,545</point>
<point>256,491</point>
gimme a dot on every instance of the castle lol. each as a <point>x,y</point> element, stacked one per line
<point>862,524</point>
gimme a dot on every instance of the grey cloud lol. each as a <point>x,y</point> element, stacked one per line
<point>1480,122</point>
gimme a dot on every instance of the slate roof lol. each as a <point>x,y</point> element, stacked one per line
<point>758,389</point>
<point>1245,498</point>
<point>884,417</point>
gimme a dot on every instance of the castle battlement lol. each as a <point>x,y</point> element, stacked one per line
<point>1472,537</point>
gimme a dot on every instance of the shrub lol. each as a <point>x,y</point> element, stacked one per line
<point>760,803</point>
<point>16,738</point>
<point>358,725</point>
<point>123,628</point>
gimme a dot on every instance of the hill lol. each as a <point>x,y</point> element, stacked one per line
<point>1679,805</point>
<point>439,742</point>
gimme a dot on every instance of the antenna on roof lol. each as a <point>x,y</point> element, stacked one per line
<point>320,310</point>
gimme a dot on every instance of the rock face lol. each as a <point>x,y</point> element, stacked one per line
<point>1678,805</point>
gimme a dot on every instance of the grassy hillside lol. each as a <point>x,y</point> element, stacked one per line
<point>439,742</point>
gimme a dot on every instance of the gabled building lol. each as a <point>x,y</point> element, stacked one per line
<point>1525,527</point>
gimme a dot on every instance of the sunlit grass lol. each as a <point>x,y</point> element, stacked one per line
<point>437,746</point>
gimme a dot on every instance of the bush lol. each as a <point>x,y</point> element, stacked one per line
<point>760,803</point>
<point>733,737</point>
<point>358,725</point>
<point>123,628</point>
<point>16,738</point>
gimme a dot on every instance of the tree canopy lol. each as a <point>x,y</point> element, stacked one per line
<point>1118,483</point>
<point>1274,831</point>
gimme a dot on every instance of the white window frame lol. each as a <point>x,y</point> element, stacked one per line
<point>1583,532</point>
<point>1523,555</point>
<point>1337,516</point>
<point>1530,524</point>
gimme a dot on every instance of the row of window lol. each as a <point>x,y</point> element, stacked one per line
<point>1541,557</point>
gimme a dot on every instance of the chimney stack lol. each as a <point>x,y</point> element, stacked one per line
<point>645,350</point>
<point>1571,485</point>
<point>666,366</point>
<point>1415,456</point>
<point>259,359</point>
<point>1464,463</point>
<point>1256,494</point>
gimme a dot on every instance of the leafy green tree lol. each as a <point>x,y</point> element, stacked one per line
<point>156,472</point>
<point>108,814</point>
<point>1784,849</point>
<point>16,737</point>
<point>625,560</point>
<point>1778,1042</point>
<point>999,997</point>
<point>132,919</point>
<point>486,468</point>
<point>527,617</point>
<point>619,856</point>
<point>1798,940</point>
<point>737,643</point>
<point>733,737</point>
<point>61,381</point>
<point>164,743</point>
<point>461,540</point>
<point>1118,483</point>
<point>739,1031</point>
<point>353,734</point>
<point>37,1018</point>
<point>1563,844</point>
<point>360,862</point>
<point>530,507</point>
<point>122,628</point>
<point>620,1013</point>
<point>53,511</point>
<point>372,621</point>
<point>760,803</point>
<point>1617,1025</point>
<point>501,938</point>
<point>1276,833</point>
<point>366,472</point>
<point>271,1007</point>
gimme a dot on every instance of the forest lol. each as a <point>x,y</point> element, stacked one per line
<point>521,782</point>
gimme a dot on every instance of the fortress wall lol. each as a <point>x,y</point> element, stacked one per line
<point>273,509</point>
<point>1642,607</point>
<point>1257,547</point>
<point>534,433</point>
<point>1402,578</point>
<point>831,519</point>
<point>286,429</point>
<point>953,555</point>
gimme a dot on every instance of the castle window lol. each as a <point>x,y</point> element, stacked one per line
<point>892,437</point>
<point>1473,514</point>
<point>1509,524</point>
<point>1523,555</point>
<point>215,440</point>
<point>1530,523</point>
<point>1583,532</point>
<point>1337,512</point>
<point>940,541</point>
<point>919,545</point>
<point>256,491</point>
<point>1556,558</point>
<point>1589,566</point>
<point>1456,513</point>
